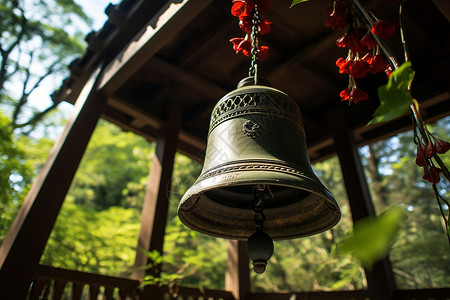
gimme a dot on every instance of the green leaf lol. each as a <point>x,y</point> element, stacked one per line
<point>295,2</point>
<point>395,97</point>
<point>372,237</point>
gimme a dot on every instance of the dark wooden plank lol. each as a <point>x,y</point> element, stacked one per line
<point>155,35</point>
<point>58,288</point>
<point>156,202</point>
<point>109,291</point>
<point>39,285</point>
<point>338,295</point>
<point>181,77</point>
<point>423,294</point>
<point>83,277</point>
<point>77,290</point>
<point>237,278</point>
<point>197,293</point>
<point>380,278</point>
<point>94,290</point>
<point>23,246</point>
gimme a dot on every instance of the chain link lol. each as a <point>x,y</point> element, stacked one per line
<point>253,71</point>
<point>260,192</point>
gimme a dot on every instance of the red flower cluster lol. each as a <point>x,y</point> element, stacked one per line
<point>337,15</point>
<point>384,29</point>
<point>353,94</point>
<point>243,9</point>
<point>426,152</point>
<point>363,51</point>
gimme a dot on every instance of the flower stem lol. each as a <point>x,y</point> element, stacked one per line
<point>364,16</point>
<point>402,33</point>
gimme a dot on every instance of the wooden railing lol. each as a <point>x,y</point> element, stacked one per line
<point>186,293</point>
<point>55,283</point>
<point>337,295</point>
<point>422,294</point>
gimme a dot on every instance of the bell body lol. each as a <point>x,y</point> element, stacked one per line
<point>256,137</point>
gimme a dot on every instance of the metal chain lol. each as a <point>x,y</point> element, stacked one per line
<point>260,192</point>
<point>253,71</point>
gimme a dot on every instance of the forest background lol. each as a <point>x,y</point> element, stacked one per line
<point>98,226</point>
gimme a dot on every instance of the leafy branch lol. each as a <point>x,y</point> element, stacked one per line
<point>395,100</point>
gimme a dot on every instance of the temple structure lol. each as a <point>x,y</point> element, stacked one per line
<point>158,67</point>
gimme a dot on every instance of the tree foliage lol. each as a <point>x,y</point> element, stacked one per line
<point>87,240</point>
<point>38,39</point>
<point>98,226</point>
<point>114,169</point>
<point>15,175</point>
<point>420,254</point>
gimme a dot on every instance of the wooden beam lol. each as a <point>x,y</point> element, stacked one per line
<point>143,123</point>
<point>27,237</point>
<point>380,278</point>
<point>139,116</point>
<point>156,203</point>
<point>237,278</point>
<point>159,31</point>
<point>311,49</point>
<point>181,77</point>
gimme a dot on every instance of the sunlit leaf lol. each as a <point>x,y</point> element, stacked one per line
<point>295,2</point>
<point>372,237</point>
<point>394,96</point>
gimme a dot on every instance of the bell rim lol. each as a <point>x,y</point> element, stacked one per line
<point>333,212</point>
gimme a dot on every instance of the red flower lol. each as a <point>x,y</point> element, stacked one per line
<point>342,41</point>
<point>264,26</point>
<point>357,95</point>
<point>367,58</point>
<point>388,71</point>
<point>246,24</point>
<point>344,68</point>
<point>345,94</point>
<point>242,8</point>
<point>378,64</point>
<point>428,150</point>
<point>441,146</point>
<point>369,41</point>
<point>420,160</point>
<point>337,15</point>
<point>354,42</point>
<point>359,68</point>
<point>240,44</point>
<point>384,29</point>
<point>340,62</point>
<point>263,53</point>
<point>433,175</point>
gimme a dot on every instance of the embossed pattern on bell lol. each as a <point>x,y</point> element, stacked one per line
<point>267,101</point>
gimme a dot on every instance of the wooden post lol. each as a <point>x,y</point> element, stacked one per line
<point>380,278</point>
<point>237,279</point>
<point>156,203</point>
<point>23,246</point>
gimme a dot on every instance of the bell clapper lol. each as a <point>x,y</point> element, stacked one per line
<point>260,245</point>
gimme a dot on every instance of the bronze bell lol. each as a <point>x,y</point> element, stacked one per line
<point>256,142</point>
